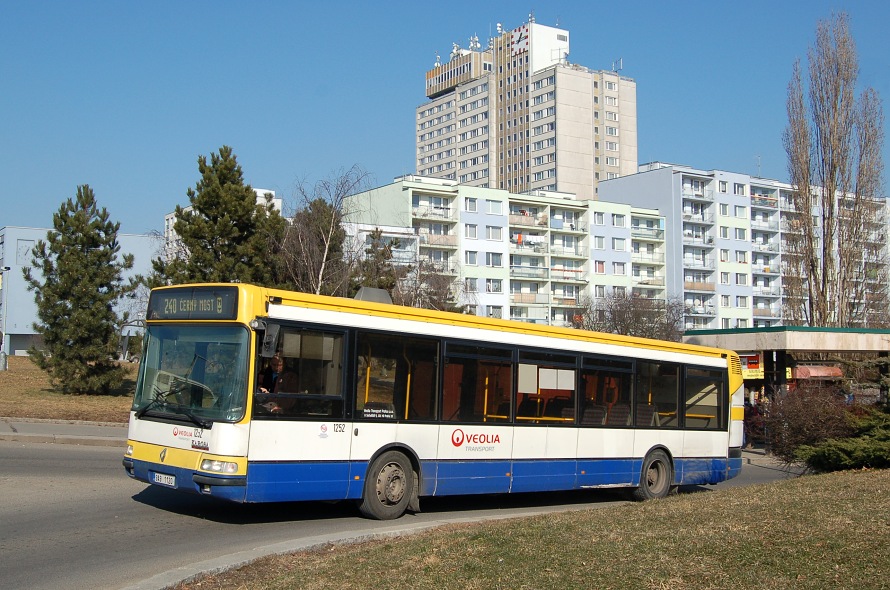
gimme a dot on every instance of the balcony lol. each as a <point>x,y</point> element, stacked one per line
<point>764,270</point>
<point>764,202</point>
<point>528,248</point>
<point>431,212</point>
<point>767,292</point>
<point>528,220</point>
<point>649,281</point>
<point>764,247</point>
<point>700,310</point>
<point>529,272</point>
<point>568,274</point>
<point>567,251</point>
<point>565,301</point>
<point>765,312</point>
<point>697,195</point>
<point>562,225</point>
<point>699,286</point>
<point>699,263</point>
<point>698,240</point>
<point>440,240</point>
<point>646,257</point>
<point>770,226</point>
<point>530,298</point>
<point>698,218</point>
<point>647,233</point>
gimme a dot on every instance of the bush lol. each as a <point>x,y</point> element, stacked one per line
<point>807,416</point>
<point>867,447</point>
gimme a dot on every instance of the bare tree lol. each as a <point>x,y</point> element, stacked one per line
<point>425,284</point>
<point>315,255</point>
<point>834,247</point>
<point>631,315</point>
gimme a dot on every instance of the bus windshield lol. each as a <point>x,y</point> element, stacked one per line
<point>193,373</point>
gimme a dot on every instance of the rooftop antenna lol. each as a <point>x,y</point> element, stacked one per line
<point>500,29</point>
<point>758,166</point>
<point>438,60</point>
<point>474,43</point>
<point>618,64</point>
<point>531,16</point>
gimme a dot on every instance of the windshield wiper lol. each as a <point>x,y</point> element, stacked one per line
<point>158,400</point>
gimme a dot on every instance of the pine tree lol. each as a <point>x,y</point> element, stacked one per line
<point>80,283</point>
<point>224,235</point>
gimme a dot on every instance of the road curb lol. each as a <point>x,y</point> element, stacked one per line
<point>65,439</point>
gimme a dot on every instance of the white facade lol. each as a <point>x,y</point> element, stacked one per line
<point>518,116</point>
<point>526,257</point>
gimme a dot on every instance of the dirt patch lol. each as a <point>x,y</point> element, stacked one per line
<point>26,392</point>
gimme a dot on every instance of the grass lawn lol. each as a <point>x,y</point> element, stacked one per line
<point>25,392</point>
<point>825,531</point>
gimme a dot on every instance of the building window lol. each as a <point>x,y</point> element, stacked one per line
<point>722,186</point>
<point>741,301</point>
<point>738,189</point>
<point>495,311</point>
<point>724,301</point>
<point>494,207</point>
<point>599,218</point>
<point>493,232</point>
<point>724,232</point>
<point>599,243</point>
<point>741,256</point>
<point>741,323</point>
<point>611,86</point>
<point>741,212</point>
<point>600,291</point>
<point>741,278</point>
<point>493,285</point>
<point>599,267</point>
<point>612,101</point>
<point>618,268</point>
<point>470,231</point>
<point>724,278</point>
<point>611,146</point>
<point>741,233</point>
<point>618,244</point>
<point>493,259</point>
<point>470,284</point>
<point>724,209</point>
<point>724,255</point>
<point>612,131</point>
<point>617,220</point>
<point>470,257</point>
<point>610,161</point>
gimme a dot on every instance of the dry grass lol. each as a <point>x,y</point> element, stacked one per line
<point>826,531</point>
<point>25,392</point>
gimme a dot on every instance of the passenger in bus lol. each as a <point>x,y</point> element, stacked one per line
<point>270,375</point>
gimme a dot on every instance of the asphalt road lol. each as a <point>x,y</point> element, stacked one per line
<point>70,518</point>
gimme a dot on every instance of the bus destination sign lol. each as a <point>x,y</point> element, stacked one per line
<point>194,303</point>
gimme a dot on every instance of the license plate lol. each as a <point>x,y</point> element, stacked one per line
<point>164,479</point>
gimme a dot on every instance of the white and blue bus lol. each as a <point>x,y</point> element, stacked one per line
<point>260,395</point>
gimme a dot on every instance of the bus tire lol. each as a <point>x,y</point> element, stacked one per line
<point>656,477</point>
<point>389,486</point>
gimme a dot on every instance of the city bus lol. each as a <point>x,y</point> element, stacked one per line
<point>252,394</point>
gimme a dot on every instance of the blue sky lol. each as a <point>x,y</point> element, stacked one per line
<point>124,96</point>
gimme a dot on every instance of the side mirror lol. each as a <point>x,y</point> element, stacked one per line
<point>270,341</point>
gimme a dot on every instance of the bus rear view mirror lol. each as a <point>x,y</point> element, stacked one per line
<point>270,341</point>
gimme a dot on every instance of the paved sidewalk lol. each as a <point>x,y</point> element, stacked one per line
<point>35,430</point>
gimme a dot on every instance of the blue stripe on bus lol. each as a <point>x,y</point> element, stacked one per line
<point>338,480</point>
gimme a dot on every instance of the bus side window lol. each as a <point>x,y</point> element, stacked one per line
<point>476,390</point>
<point>396,377</point>
<point>657,389</point>
<point>705,400</point>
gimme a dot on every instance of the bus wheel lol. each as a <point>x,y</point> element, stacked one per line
<point>389,485</point>
<point>656,477</point>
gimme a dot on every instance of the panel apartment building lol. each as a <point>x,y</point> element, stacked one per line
<point>725,238</point>
<point>534,257</point>
<point>519,116</point>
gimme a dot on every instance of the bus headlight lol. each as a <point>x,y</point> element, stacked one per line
<point>219,466</point>
<point>129,451</point>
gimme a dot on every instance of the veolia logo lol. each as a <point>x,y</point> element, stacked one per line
<point>458,437</point>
